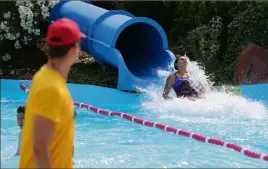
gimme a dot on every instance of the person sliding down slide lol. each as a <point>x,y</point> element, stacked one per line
<point>179,81</point>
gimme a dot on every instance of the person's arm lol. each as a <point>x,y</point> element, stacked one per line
<point>168,87</point>
<point>47,115</point>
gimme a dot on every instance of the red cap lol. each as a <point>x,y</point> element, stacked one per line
<point>66,30</point>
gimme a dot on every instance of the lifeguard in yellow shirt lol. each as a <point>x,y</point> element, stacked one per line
<point>48,131</point>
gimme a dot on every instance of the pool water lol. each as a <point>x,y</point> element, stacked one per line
<point>113,142</point>
<point>102,141</point>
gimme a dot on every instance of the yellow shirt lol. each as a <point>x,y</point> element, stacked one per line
<point>49,97</point>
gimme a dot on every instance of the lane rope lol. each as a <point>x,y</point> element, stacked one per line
<point>185,133</point>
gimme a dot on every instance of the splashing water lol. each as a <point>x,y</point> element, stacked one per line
<point>221,114</point>
<point>215,104</point>
<point>198,78</point>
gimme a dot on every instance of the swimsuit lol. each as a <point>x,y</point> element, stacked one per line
<point>183,88</point>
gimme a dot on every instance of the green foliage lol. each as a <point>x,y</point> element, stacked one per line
<point>189,15</point>
<point>250,25</point>
<point>109,5</point>
<point>161,11</point>
<point>202,42</point>
<point>90,73</point>
<point>219,42</point>
<point>211,32</point>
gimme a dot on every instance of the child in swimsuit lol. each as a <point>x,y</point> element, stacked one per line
<point>179,80</point>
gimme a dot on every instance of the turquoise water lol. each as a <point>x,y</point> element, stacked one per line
<point>102,141</point>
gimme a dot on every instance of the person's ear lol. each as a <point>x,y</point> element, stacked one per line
<point>73,49</point>
<point>78,46</point>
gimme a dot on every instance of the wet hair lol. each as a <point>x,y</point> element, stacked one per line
<point>21,109</point>
<point>175,66</point>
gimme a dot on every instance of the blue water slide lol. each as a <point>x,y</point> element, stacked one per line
<point>136,46</point>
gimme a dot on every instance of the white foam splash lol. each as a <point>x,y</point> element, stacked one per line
<point>198,78</point>
<point>215,103</point>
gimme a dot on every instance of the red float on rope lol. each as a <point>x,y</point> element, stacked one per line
<point>198,137</point>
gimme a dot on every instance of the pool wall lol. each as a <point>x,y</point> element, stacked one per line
<point>257,92</point>
<point>95,95</point>
<point>106,97</point>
